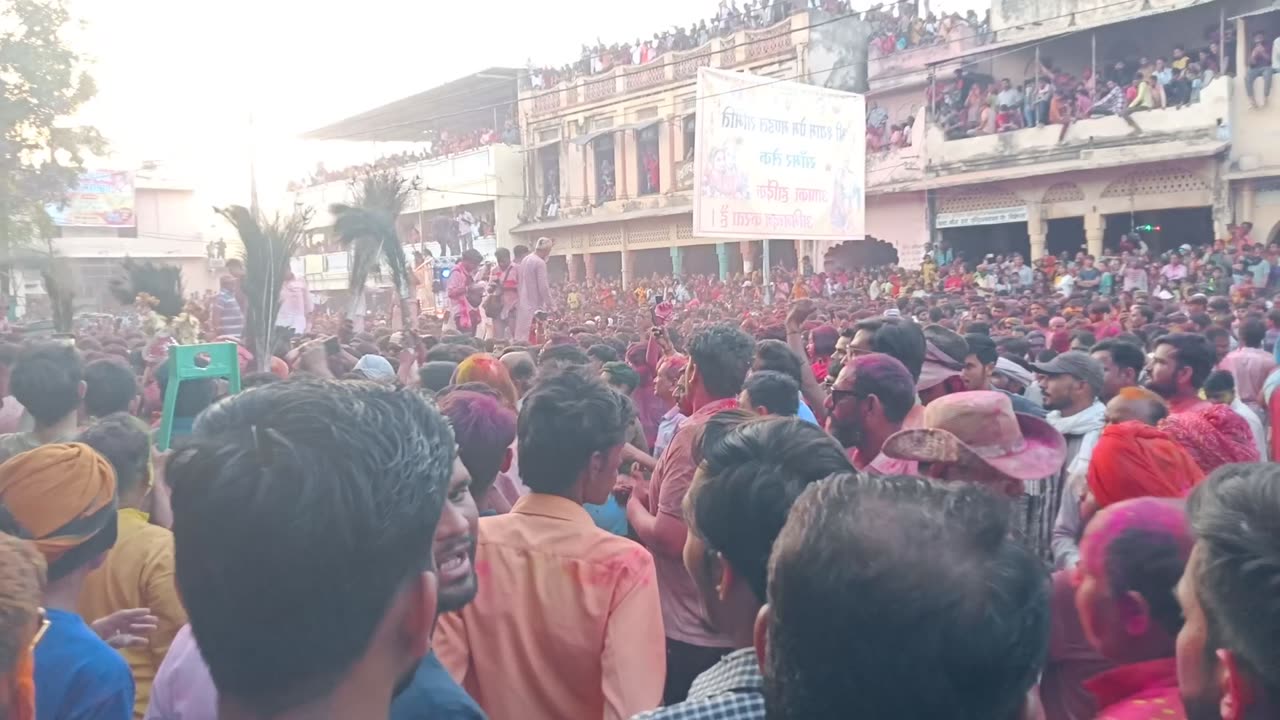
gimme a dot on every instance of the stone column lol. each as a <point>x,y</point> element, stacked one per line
<point>627,269</point>
<point>747,256</point>
<point>1248,199</point>
<point>677,260</point>
<point>722,255</point>
<point>572,261</point>
<point>1036,231</point>
<point>1095,227</point>
<point>589,261</point>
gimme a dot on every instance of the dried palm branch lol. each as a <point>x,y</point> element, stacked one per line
<point>58,285</point>
<point>163,283</point>
<point>269,245</point>
<point>367,228</point>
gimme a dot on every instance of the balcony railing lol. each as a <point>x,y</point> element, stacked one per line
<point>744,46</point>
<point>1196,121</point>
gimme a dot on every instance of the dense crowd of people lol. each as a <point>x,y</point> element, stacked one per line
<point>905,30</point>
<point>438,144</point>
<point>987,488</point>
<point>970,104</point>
<point>894,29</point>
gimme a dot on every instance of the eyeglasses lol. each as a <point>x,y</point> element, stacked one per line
<point>838,396</point>
<point>44,627</point>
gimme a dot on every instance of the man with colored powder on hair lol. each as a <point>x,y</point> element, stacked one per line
<point>872,399</point>
<point>62,498</point>
<point>644,357</point>
<point>1132,555</point>
<point>485,430</point>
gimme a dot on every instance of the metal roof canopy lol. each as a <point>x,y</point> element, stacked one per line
<point>468,102</point>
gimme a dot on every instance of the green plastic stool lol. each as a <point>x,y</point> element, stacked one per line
<point>224,363</point>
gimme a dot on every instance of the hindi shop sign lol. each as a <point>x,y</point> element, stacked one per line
<point>101,198</point>
<point>981,217</point>
<point>780,160</point>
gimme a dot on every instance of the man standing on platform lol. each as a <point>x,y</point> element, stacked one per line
<point>534,290</point>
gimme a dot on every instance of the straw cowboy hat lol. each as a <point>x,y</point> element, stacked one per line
<point>981,428</point>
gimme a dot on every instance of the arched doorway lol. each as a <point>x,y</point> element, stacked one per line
<point>855,254</point>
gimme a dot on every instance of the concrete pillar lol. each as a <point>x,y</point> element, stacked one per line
<point>1095,226</point>
<point>747,256</point>
<point>572,261</point>
<point>722,255</point>
<point>589,261</point>
<point>627,269</point>
<point>1248,198</point>
<point>677,260</point>
<point>1037,246</point>
<point>1036,231</point>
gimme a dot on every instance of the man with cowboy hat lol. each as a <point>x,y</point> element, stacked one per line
<point>976,437</point>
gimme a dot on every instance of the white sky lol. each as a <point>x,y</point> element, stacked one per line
<point>177,81</point>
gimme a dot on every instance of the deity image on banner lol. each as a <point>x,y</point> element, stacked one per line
<point>724,179</point>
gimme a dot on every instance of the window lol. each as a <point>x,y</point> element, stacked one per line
<point>606,181</point>
<point>549,187</point>
<point>690,133</point>
<point>647,154</point>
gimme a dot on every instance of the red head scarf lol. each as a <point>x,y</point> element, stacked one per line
<point>1133,460</point>
<point>1214,436</point>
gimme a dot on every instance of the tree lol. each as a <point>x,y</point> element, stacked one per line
<point>367,228</point>
<point>41,84</point>
<point>269,244</point>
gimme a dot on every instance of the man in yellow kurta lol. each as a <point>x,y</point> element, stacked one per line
<point>138,571</point>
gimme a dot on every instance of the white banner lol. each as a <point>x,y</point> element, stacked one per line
<point>981,217</point>
<point>781,160</point>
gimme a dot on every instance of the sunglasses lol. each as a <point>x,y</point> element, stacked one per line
<point>40,631</point>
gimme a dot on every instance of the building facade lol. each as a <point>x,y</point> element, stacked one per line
<point>610,161</point>
<point>168,230</point>
<point>1181,174</point>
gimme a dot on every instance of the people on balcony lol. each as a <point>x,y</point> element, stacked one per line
<point>1264,62</point>
<point>600,58</point>
<point>439,144</point>
<point>972,104</point>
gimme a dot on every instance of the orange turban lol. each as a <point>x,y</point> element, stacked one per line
<point>1133,460</point>
<point>63,499</point>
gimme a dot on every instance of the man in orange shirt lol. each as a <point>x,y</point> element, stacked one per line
<point>566,622</point>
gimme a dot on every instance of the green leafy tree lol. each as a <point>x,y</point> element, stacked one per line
<point>41,85</point>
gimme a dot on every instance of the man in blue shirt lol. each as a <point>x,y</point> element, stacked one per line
<point>430,692</point>
<point>62,498</point>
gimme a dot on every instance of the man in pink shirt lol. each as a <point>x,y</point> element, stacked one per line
<point>1131,557</point>
<point>719,359</point>
<point>566,622</point>
<point>873,398</point>
<point>532,288</point>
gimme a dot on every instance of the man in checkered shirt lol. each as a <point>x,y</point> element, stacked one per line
<point>735,508</point>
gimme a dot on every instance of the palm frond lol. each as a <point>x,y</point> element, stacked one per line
<point>368,227</point>
<point>162,282</point>
<point>269,245</point>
